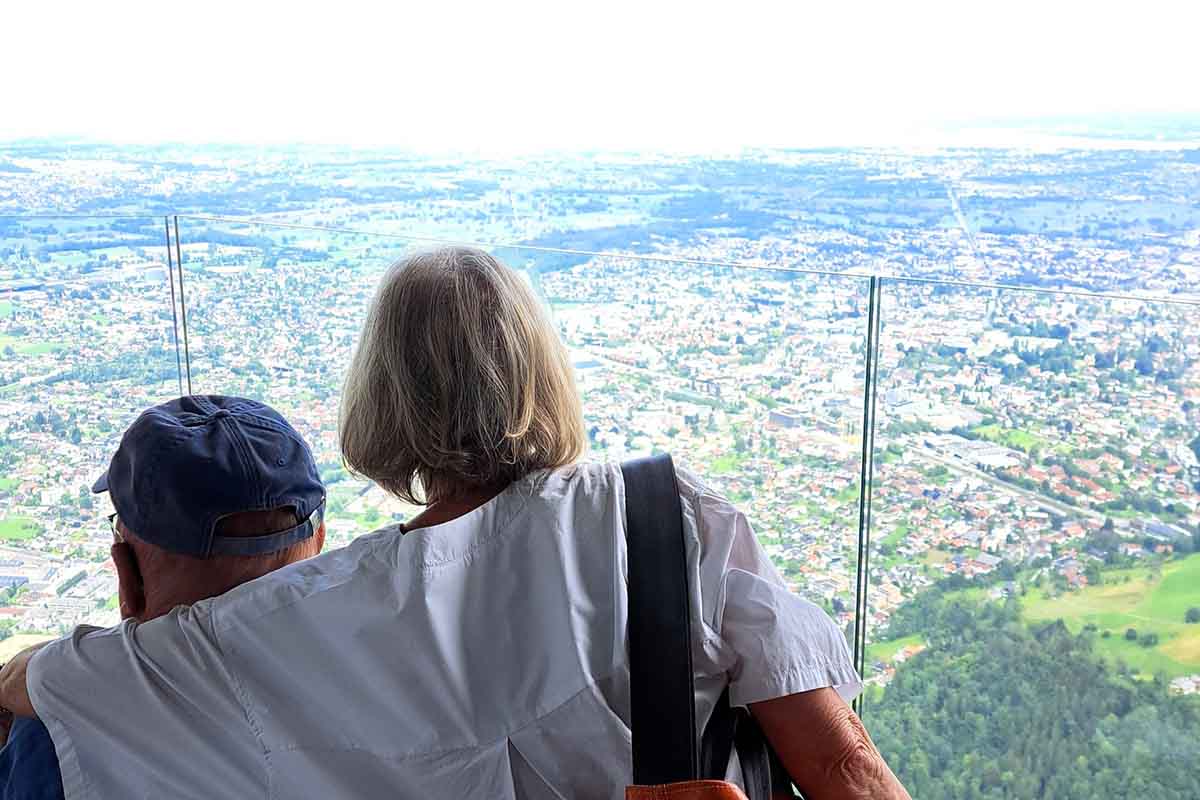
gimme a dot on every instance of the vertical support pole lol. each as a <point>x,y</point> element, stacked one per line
<point>866,478</point>
<point>187,354</point>
<point>174,310</point>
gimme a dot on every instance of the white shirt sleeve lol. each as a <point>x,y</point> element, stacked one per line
<point>768,641</point>
<point>141,710</point>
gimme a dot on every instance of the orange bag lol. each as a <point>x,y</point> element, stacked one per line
<point>687,790</point>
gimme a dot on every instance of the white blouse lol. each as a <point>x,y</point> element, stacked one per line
<point>481,657</point>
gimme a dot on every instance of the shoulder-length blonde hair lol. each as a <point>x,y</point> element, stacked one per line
<point>459,381</point>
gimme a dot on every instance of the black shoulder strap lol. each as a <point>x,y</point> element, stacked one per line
<point>731,729</point>
<point>660,643</point>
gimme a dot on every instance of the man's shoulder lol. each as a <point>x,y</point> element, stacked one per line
<point>295,582</point>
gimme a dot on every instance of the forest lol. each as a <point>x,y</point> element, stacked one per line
<point>996,709</point>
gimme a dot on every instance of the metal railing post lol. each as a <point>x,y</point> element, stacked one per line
<point>866,478</point>
<point>174,310</point>
<point>187,353</point>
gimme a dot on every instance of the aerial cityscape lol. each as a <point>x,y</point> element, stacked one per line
<point>1032,399</point>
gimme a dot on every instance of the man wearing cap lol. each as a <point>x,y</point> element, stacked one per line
<point>210,492</point>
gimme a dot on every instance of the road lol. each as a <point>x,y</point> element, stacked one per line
<point>966,228</point>
<point>1040,500</point>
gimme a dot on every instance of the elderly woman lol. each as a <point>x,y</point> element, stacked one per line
<point>480,649</point>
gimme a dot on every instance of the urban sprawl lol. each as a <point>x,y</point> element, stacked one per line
<point>1039,441</point>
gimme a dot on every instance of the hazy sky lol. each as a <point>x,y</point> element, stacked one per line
<point>519,75</point>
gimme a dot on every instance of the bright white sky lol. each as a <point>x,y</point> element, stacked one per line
<point>516,75</point>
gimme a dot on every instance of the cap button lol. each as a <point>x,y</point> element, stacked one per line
<point>220,413</point>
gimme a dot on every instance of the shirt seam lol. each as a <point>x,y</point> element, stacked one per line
<point>537,717</point>
<point>711,631</point>
<point>226,623</point>
<point>77,779</point>
<point>775,680</point>
<point>244,701</point>
<point>546,782</point>
<point>502,530</point>
<point>383,551</point>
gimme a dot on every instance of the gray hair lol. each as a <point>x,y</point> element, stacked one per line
<point>459,381</point>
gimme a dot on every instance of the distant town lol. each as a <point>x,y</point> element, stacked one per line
<point>1036,408</point>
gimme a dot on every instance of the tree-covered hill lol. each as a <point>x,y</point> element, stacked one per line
<point>994,709</point>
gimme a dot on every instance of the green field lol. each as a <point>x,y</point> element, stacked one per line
<point>886,651</point>
<point>1017,440</point>
<point>1145,603</point>
<point>6,309</point>
<point>27,347</point>
<point>19,528</point>
<point>723,465</point>
<point>896,536</point>
<point>8,484</point>
<point>935,558</point>
<point>890,456</point>
<point>848,494</point>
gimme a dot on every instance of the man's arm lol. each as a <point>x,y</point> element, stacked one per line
<point>825,748</point>
<point>14,695</point>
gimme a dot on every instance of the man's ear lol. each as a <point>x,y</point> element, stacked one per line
<point>130,589</point>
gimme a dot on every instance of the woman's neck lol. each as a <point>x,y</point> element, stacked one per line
<point>454,506</point>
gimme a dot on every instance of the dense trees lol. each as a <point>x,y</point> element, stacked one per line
<point>994,709</point>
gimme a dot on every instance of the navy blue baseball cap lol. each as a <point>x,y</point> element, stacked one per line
<point>184,465</point>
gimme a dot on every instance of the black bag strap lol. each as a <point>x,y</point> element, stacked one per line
<point>662,696</point>
<point>762,772</point>
<point>662,693</point>
<point>732,729</point>
<point>716,745</point>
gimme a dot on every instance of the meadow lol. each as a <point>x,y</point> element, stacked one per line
<point>1141,598</point>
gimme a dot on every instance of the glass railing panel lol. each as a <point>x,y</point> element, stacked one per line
<point>1034,598</point>
<point>752,378</point>
<point>273,313</point>
<point>86,343</point>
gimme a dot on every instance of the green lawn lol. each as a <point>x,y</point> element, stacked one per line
<point>19,528</point>
<point>6,309</point>
<point>726,464</point>
<point>896,536</point>
<point>889,456</point>
<point>886,651</point>
<point>938,476</point>
<point>71,258</point>
<point>1156,606</point>
<point>1018,440</point>
<point>28,347</point>
<point>848,494</point>
<point>8,484</point>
